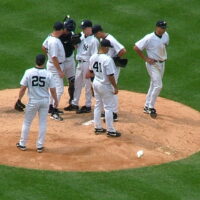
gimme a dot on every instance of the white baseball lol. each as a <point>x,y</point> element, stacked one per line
<point>140,153</point>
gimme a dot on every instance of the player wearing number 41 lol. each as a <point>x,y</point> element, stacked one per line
<point>38,81</point>
<point>155,44</point>
<point>105,88</point>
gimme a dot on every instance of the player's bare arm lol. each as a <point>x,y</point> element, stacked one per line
<point>113,83</point>
<point>57,65</point>
<point>122,52</point>
<point>145,58</point>
<point>22,92</point>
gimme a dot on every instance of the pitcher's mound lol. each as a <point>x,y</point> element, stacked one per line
<point>72,146</point>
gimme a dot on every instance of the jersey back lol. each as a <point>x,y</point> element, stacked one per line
<point>102,65</point>
<point>38,82</point>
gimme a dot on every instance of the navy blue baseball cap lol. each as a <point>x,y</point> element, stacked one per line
<point>58,26</point>
<point>161,24</point>
<point>96,28</point>
<point>40,59</point>
<point>86,23</point>
<point>105,43</point>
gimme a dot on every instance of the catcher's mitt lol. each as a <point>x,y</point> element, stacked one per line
<point>19,106</point>
<point>120,62</point>
<point>75,39</point>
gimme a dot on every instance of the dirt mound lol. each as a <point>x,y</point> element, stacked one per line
<point>72,146</point>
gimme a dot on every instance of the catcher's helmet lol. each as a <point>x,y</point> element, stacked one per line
<point>70,24</point>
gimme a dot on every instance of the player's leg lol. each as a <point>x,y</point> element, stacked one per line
<point>43,110</point>
<point>108,100</point>
<point>31,110</point>
<point>148,96</point>
<point>97,108</point>
<point>78,84</point>
<point>88,93</point>
<point>156,82</point>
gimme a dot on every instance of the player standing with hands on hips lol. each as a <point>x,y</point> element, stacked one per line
<point>155,44</point>
<point>105,88</point>
<point>38,81</point>
<point>56,57</point>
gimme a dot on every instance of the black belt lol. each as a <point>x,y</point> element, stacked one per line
<point>81,61</point>
<point>159,61</point>
<point>59,63</point>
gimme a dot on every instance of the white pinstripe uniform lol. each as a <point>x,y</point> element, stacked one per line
<point>87,47</point>
<point>55,49</point>
<point>103,65</point>
<point>38,81</point>
<point>113,52</point>
<point>156,49</point>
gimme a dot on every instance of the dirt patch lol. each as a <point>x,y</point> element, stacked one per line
<point>71,146</point>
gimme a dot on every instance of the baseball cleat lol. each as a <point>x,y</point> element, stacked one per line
<point>152,112</point>
<point>56,116</point>
<point>146,110</point>
<point>59,111</point>
<point>99,131</point>
<point>71,107</point>
<point>40,150</point>
<point>23,148</point>
<point>84,109</point>
<point>113,134</point>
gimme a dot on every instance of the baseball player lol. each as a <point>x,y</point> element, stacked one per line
<point>85,49</point>
<point>117,50</point>
<point>105,88</point>
<point>155,44</point>
<point>38,81</point>
<point>56,58</point>
<point>69,64</point>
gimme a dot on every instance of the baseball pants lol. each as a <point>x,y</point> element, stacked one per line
<point>155,72</point>
<point>34,106</point>
<point>104,97</point>
<point>58,81</point>
<point>80,82</point>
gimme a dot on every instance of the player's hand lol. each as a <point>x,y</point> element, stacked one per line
<point>61,74</point>
<point>115,91</point>
<point>150,61</point>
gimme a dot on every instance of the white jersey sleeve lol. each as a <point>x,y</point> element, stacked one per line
<point>143,43</point>
<point>117,47</point>
<point>24,80</point>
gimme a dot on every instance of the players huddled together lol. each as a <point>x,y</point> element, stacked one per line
<point>95,65</point>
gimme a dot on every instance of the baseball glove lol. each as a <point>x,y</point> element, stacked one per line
<point>19,106</point>
<point>75,39</point>
<point>120,62</point>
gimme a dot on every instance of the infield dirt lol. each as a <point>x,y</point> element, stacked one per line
<point>72,146</point>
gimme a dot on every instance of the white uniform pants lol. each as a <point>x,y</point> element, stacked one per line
<point>31,109</point>
<point>104,97</point>
<point>58,81</point>
<point>80,82</point>
<point>156,72</point>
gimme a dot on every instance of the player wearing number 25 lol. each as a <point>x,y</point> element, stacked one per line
<point>38,81</point>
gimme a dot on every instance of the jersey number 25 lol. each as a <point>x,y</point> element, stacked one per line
<point>38,81</point>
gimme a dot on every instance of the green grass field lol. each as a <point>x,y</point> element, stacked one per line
<point>25,24</point>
